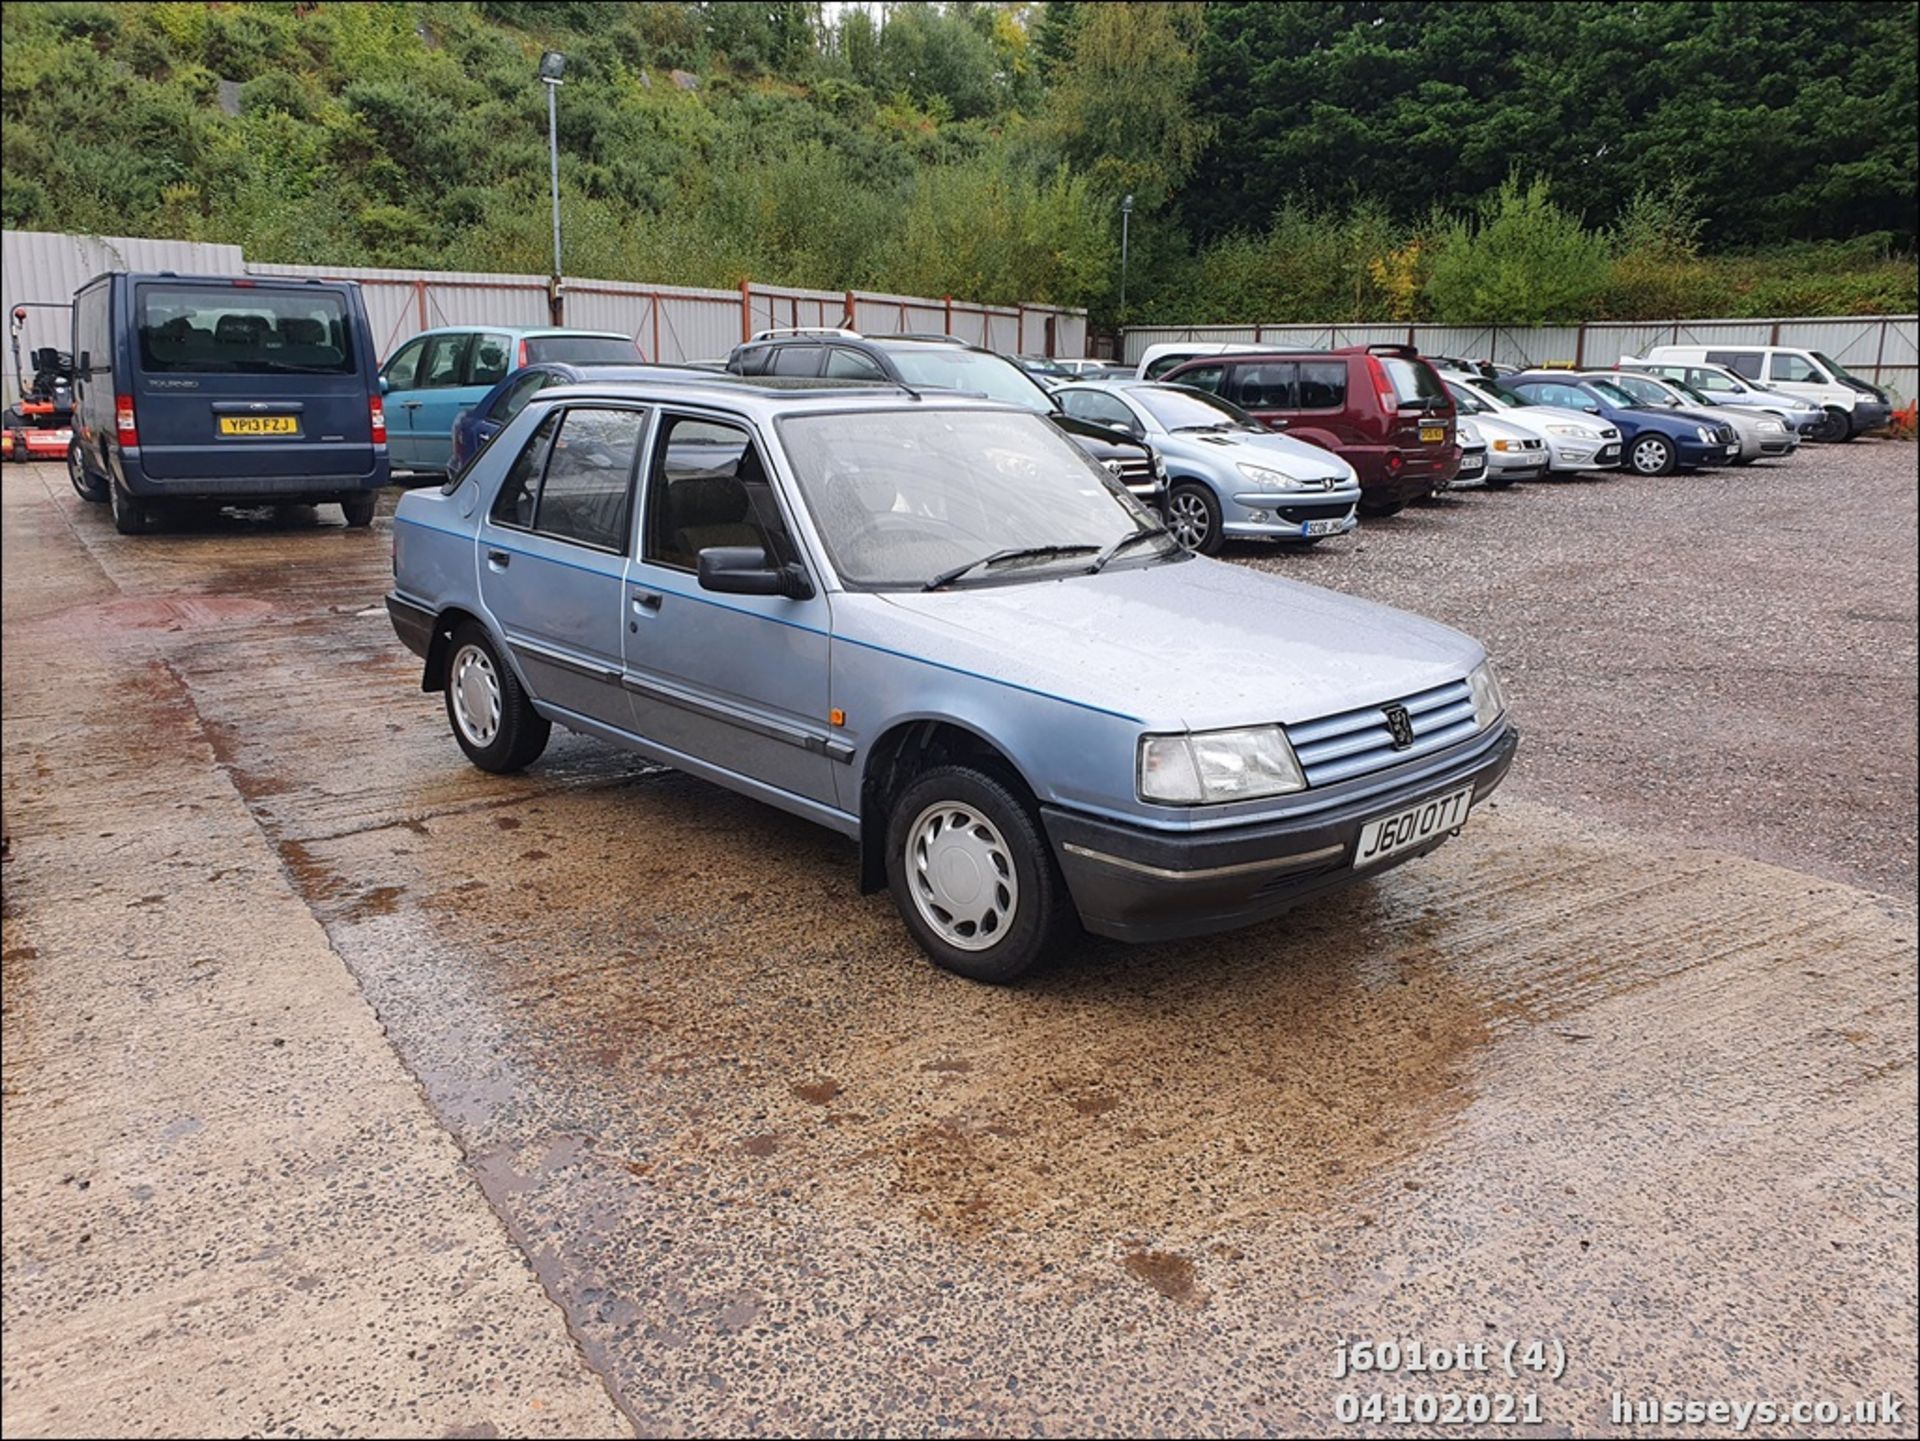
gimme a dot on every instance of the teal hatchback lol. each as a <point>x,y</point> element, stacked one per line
<point>437,374</point>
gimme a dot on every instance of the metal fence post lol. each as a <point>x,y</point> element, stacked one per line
<point>746,311</point>
<point>947,301</point>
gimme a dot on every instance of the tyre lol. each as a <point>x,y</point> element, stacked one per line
<point>88,486</point>
<point>487,707</point>
<point>1193,515</point>
<point>1380,509</point>
<point>972,875</point>
<point>358,510</point>
<point>1837,426</point>
<point>1650,455</point>
<point>132,516</point>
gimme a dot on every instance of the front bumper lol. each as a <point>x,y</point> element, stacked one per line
<point>1694,454</point>
<point>1567,455</point>
<point>1134,884</point>
<point>1870,415</point>
<point>1285,515</point>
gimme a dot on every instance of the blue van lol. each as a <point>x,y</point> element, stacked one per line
<point>221,390</point>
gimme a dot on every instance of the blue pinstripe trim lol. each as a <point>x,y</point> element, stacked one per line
<point>792,625</point>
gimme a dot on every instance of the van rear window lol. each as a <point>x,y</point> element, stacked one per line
<point>580,348</point>
<point>220,330</point>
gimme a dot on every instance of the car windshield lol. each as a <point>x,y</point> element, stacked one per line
<point>1613,394</point>
<point>1688,393</point>
<point>1502,394</point>
<point>900,497</point>
<point>950,367</point>
<point>1834,368</point>
<point>1471,403</point>
<point>1645,389</point>
<point>1181,407</point>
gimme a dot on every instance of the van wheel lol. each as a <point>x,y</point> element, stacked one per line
<point>358,510</point>
<point>1193,515</point>
<point>973,877</point>
<point>131,516</point>
<point>1837,426</point>
<point>491,716</point>
<point>88,486</point>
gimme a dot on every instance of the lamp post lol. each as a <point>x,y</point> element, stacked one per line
<point>1126,216</point>
<point>552,66</point>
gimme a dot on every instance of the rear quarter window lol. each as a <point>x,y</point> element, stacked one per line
<point>243,330</point>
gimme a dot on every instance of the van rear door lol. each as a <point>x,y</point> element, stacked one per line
<point>239,380</point>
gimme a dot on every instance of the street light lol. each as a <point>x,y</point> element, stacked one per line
<point>1126,215</point>
<point>552,66</point>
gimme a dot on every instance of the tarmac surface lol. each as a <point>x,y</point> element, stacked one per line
<point>349,1088</point>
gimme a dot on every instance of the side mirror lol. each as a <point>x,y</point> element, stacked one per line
<point>1591,409</point>
<point>744,570</point>
<point>385,385</point>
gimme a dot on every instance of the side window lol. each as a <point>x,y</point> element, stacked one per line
<point>707,487</point>
<point>796,360</point>
<point>1787,366</point>
<point>1709,380</point>
<point>852,365</point>
<point>1265,385</point>
<point>1211,378</point>
<point>440,366</point>
<point>92,347</point>
<point>514,398</point>
<point>1099,408</point>
<point>489,362</point>
<point>514,504</point>
<point>1323,385</point>
<point>750,360</point>
<point>589,476</point>
<point>1740,362</point>
<point>398,372</point>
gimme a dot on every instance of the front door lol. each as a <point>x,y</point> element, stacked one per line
<point>553,556</point>
<point>439,394</point>
<point>397,377</point>
<point>737,681</point>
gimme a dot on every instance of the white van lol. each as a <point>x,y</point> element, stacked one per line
<point>1157,360</point>
<point>1852,406</point>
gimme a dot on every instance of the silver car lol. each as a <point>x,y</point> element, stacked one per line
<point>1575,440</point>
<point>1760,433</point>
<point>929,622</point>
<point>1514,452</point>
<point>1720,386</point>
<point>1228,476</point>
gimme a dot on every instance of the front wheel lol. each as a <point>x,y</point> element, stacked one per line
<point>86,484</point>
<point>1193,515</point>
<point>492,717</point>
<point>972,875</point>
<point>358,510</point>
<point>1651,455</point>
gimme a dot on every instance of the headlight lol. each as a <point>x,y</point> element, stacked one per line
<point>1506,445</point>
<point>1216,766</point>
<point>1261,475</point>
<point>1704,434</point>
<point>1577,432</point>
<point>1489,701</point>
<point>1159,466</point>
<point>1772,427</point>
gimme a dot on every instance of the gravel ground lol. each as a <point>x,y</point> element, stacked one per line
<point>1727,658</point>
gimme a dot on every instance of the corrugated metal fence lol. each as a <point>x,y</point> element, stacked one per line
<point>668,322</point>
<point>1883,349</point>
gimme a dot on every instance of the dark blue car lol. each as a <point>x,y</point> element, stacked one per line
<point>1657,439</point>
<point>481,421</point>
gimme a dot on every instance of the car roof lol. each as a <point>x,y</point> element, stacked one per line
<point>523,332</point>
<point>772,395</point>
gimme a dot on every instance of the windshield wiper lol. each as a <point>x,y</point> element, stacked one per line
<point>1121,544</point>
<point>1000,557</point>
<point>1217,425</point>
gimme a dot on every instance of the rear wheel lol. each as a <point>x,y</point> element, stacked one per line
<point>1837,425</point>
<point>973,876</point>
<point>1650,455</point>
<point>131,516</point>
<point>492,717</point>
<point>358,509</point>
<point>1193,515</point>
<point>86,484</point>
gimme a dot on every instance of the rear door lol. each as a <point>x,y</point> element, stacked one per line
<point>239,380</point>
<point>553,555</point>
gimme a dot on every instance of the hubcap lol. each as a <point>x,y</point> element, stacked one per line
<point>1649,455</point>
<point>476,695</point>
<point>1188,520</point>
<point>961,874</point>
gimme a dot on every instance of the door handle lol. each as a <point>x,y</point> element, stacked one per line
<point>646,600</point>
<point>410,405</point>
<point>499,559</point>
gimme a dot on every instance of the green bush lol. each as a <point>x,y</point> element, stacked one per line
<point>1525,261</point>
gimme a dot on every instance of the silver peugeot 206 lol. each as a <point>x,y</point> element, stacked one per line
<point>930,623</point>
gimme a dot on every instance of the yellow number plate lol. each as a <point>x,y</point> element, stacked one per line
<point>259,425</point>
<point>1432,433</point>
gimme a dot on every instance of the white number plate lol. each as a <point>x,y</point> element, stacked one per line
<point>1330,526</point>
<point>1734,449</point>
<point>1380,839</point>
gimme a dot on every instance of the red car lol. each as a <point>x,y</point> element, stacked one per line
<point>1380,408</point>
